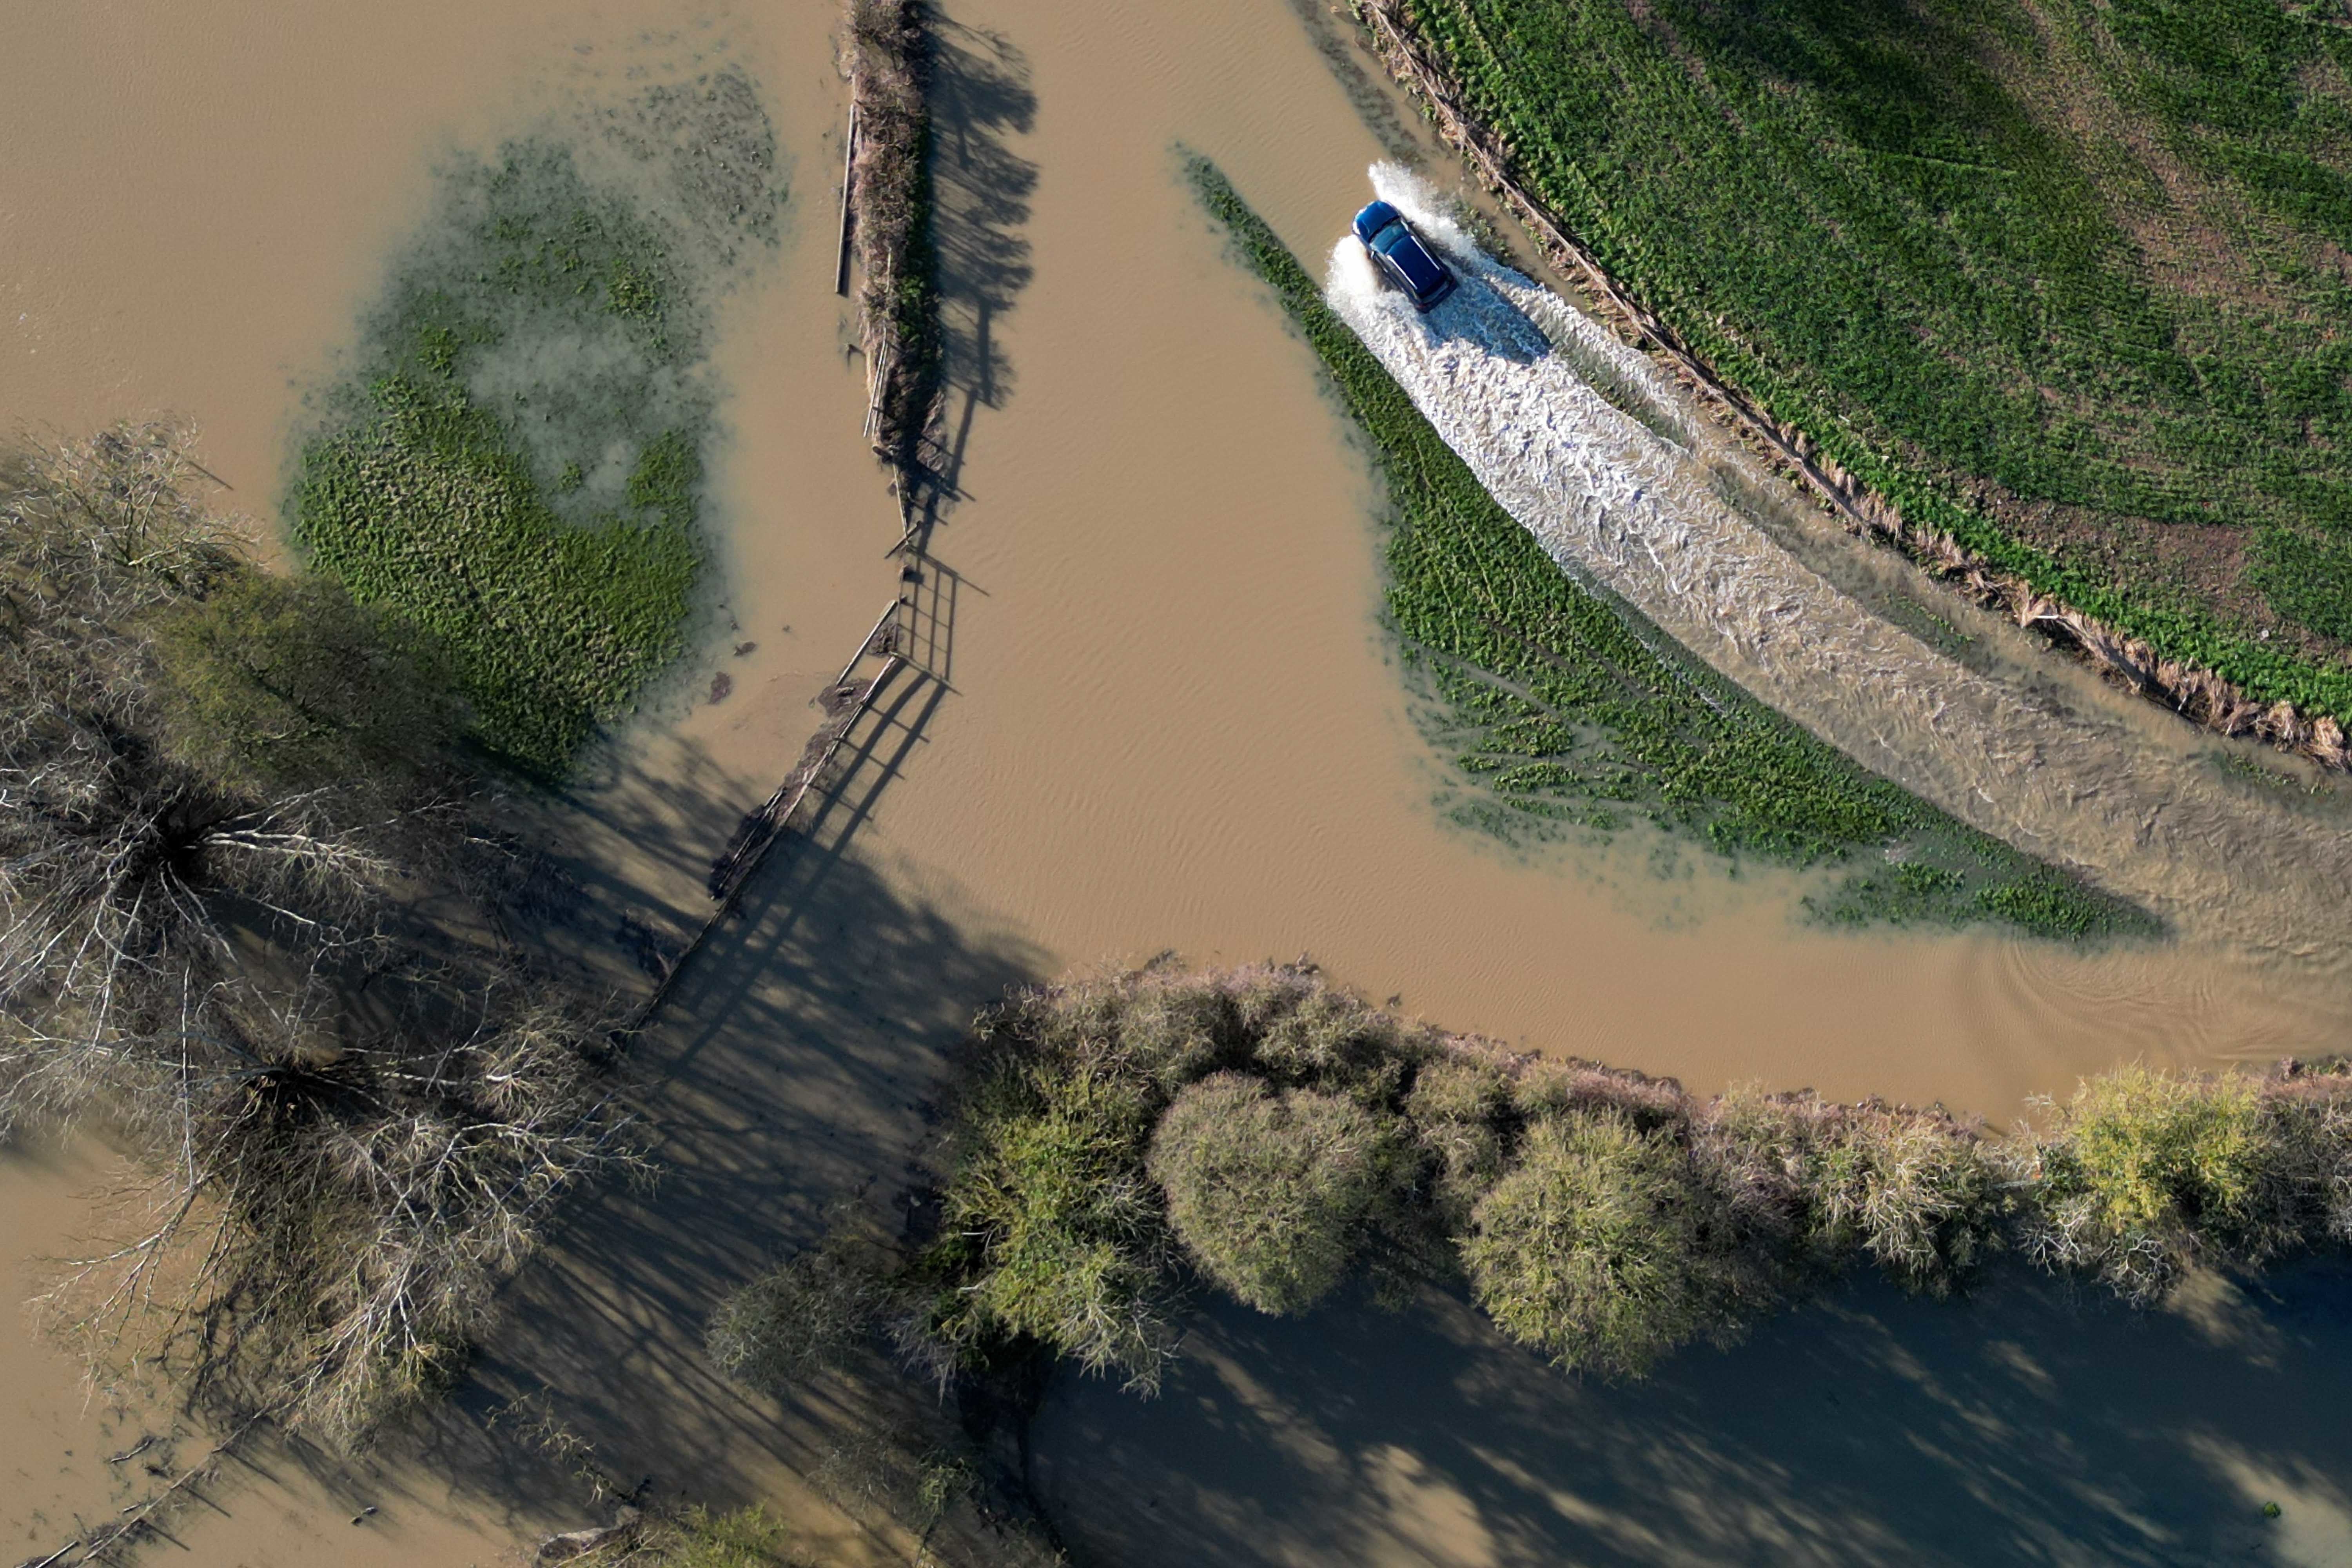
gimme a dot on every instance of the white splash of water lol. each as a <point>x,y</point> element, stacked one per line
<point>1503,369</point>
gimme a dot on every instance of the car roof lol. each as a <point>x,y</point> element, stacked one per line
<point>1420,268</point>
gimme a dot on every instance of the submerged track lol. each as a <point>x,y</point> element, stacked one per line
<point>1511,377</point>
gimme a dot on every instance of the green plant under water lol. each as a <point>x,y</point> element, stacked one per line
<point>516,467</point>
<point>1565,706</point>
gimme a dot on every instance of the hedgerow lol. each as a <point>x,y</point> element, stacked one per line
<point>1114,1142</point>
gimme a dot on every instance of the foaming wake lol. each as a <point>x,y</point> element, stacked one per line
<point>1506,370</point>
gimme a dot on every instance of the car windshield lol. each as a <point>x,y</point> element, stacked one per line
<point>1391,234</point>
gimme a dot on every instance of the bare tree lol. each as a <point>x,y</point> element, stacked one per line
<point>353,1123</point>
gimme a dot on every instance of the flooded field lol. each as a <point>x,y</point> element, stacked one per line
<point>1165,712</point>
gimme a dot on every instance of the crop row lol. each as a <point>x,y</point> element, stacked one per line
<point>1870,220</point>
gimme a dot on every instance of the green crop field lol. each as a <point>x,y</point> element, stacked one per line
<point>2067,278</point>
<point>1562,706</point>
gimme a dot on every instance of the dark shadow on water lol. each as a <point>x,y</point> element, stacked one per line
<point>788,1073</point>
<point>981,192</point>
<point>2028,1425</point>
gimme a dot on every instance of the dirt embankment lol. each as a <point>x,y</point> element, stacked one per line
<point>2197,694</point>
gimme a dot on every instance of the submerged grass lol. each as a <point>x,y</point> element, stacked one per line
<point>1563,705</point>
<point>515,468</point>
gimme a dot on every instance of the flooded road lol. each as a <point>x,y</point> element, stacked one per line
<point>1175,719</point>
<point>1510,375</point>
<point>1169,714</point>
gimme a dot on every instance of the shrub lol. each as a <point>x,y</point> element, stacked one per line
<point>1051,1194</point>
<point>1270,1124</point>
<point>1923,1198</point>
<point>806,1313</point>
<point>1269,1192</point>
<point>2146,1174</point>
<point>1591,1249</point>
<point>1461,1114</point>
<point>1309,1033</point>
<point>1913,1191</point>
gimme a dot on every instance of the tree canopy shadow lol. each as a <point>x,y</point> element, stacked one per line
<point>2031,1424</point>
<point>787,1075</point>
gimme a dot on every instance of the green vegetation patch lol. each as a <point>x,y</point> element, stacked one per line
<point>514,466</point>
<point>2088,250</point>
<point>1116,1141</point>
<point>1564,705</point>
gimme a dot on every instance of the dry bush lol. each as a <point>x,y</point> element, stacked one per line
<point>205,944</point>
<point>1913,1191</point>
<point>808,1313</point>
<point>690,1537</point>
<point>1055,1229</point>
<point>1463,1118</point>
<point>2145,1175</point>
<point>1270,1192</point>
<point>1592,1250</point>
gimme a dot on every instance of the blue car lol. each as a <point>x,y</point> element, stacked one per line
<point>1402,255</point>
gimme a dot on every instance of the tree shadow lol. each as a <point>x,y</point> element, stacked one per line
<point>787,1073</point>
<point>2029,1425</point>
<point>981,190</point>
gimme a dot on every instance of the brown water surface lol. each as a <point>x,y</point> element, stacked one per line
<point>71,1454</point>
<point>1176,722</point>
<point>1165,712</point>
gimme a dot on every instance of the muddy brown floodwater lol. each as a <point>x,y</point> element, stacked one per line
<point>1176,722</point>
<point>1167,714</point>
